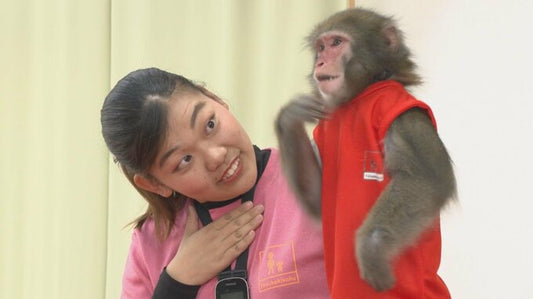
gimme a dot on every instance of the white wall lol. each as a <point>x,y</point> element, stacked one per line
<point>476,59</point>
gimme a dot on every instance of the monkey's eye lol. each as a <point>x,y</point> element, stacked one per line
<point>336,42</point>
<point>320,47</point>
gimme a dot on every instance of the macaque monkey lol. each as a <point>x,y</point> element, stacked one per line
<point>382,174</point>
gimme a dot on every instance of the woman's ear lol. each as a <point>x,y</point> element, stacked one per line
<point>151,185</point>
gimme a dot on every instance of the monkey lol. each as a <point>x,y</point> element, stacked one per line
<point>376,173</point>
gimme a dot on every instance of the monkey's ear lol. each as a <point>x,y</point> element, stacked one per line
<point>392,35</point>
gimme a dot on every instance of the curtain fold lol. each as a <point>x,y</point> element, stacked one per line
<point>64,202</point>
<point>55,61</point>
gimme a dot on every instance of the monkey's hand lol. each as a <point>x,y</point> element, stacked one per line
<point>374,265</point>
<point>302,108</point>
<point>299,162</point>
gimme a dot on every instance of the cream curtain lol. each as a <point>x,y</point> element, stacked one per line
<point>64,204</point>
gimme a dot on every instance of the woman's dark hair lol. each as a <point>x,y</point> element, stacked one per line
<point>134,126</point>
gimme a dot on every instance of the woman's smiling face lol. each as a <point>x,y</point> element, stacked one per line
<point>206,154</point>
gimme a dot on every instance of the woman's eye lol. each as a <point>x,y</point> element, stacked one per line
<point>186,160</point>
<point>210,125</point>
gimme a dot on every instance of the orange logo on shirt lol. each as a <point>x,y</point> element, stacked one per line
<point>277,267</point>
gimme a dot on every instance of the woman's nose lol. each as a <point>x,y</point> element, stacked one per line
<point>215,156</point>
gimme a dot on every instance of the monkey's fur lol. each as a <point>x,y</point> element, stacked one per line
<point>421,174</point>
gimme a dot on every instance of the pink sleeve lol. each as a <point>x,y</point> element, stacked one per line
<point>136,281</point>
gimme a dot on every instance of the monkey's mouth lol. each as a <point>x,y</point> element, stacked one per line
<point>321,78</point>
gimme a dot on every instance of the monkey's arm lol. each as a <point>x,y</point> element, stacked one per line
<point>299,161</point>
<point>422,182</point>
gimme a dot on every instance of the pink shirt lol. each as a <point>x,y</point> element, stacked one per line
<point>285,260</point>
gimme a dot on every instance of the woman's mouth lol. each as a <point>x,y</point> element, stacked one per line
<point>232,170</point>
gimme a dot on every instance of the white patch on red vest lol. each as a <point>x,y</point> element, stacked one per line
<point>373,169</point>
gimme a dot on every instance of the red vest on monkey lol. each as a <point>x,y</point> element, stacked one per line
<point>353,176</point>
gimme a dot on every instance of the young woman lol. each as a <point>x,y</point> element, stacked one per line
<point>188,156</point>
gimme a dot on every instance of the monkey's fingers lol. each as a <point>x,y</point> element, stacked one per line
<point>374,266</point>
<point>380,278</point>
<point>310,111</point>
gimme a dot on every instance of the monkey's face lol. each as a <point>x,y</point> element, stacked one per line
<point>333,51</point>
